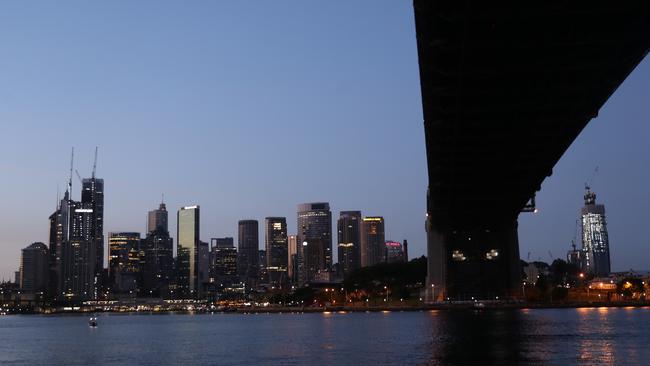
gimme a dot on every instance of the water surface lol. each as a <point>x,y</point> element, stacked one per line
<point>544,336</point>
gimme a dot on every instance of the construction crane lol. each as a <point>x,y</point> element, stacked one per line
<point>590,182</point>
<point>79,176</point>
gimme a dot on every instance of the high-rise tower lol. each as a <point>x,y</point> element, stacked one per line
<point>372,241</point>
<point>315,234</point>
<point>157,219</point>
<point>223,261</point>
<point>187,251</point>
<point>158,250</point>
<point>75,248</point>
<point>595,240</point>
<point>124,261</point>
<point>349,241</point>
<point>34,269</point>
<point>275,235</point>
<point>92,199</point>
<point>248,252</point>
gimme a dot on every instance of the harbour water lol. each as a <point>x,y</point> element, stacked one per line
<point>585,336</point>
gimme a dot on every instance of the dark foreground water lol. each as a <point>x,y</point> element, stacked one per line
<point>551,336</point>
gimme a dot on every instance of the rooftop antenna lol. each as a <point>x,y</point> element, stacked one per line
<point>71,167</point>
<point>162,200</point>
<point>95,163</point>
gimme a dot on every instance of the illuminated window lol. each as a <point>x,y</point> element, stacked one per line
<point>458,256</point>
<point>492,254</point>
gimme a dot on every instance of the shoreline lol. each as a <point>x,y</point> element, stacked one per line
<point>486,306</point>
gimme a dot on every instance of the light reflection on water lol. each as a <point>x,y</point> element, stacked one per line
<point>601,336</point>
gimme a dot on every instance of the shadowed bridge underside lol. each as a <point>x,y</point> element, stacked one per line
<point>506,88</point>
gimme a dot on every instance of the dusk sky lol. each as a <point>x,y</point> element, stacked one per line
<point>250,108</point>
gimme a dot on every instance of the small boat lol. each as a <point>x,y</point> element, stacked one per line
<point>92,322</point>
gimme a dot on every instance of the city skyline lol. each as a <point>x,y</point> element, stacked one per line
<point>367,100</point>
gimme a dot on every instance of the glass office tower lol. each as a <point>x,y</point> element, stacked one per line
<point>187,251</point>
<point>315,234</point>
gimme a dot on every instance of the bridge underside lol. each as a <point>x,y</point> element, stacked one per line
<point>506,88</point>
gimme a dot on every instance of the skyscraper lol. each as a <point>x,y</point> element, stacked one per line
<point>34,269</point>
<point>75,238</point>
<point>76,263</point>
<point>372,240</point>
<point>223,261</point>
<point>315,234</point>
<point>595,241</point>
<point>247,252</point>
<point>349,241</point>
<point>92,198</point>
<point>55,240</point>
<point>158,250</point>
<point>275,235</point>
<point>158,219</point>
<point>188,250</point>
<point>203,267</point>
<point>124,261</point>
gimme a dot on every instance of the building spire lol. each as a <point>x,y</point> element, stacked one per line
<point>71,168</point>
<point>95,163</point>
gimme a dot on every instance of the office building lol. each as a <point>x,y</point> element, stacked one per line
<point>34,269</point>
<point>55,240</point>
<point>315,234</point>
<point>204,266</point>
<point>223,261</point>
<point>158,219</point>
<point>227,242</point>
<point>394,252</point>
<point>76,264</point>
<point>187,247</point>
<point>158,250</point>
<point>277,253</point>
<point>124,261</point>
<point>92,199</point>
<point>372,240</point>
<point>248,252</point>
<point>349,241</point>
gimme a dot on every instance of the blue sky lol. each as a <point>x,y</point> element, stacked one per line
<point>249,108</point>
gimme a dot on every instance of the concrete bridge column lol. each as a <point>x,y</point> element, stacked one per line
<point>481,263</point>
